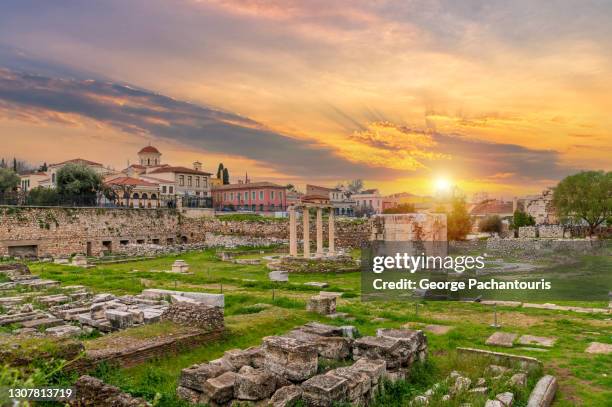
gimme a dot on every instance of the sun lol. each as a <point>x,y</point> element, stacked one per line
<point>442,184</point>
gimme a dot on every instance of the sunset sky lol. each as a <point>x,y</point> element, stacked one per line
<point>500,96</point>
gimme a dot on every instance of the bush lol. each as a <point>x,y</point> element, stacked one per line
<point>41,196</point>
<point>490,224</point>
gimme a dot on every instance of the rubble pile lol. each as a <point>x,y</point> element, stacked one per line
<point>285,369</point>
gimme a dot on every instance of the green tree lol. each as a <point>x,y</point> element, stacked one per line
<point>402,208</point>
<point>77,179</point>
<point>585,196</point>
<point>220,171</point>
<point>43,168</point>
<point>9,180</point>
<point>490,224</point>
<point>226,179</point>
<point>458,220</point>
<point>520,218</point>
<point>43,196</point>
<point>14,164</point>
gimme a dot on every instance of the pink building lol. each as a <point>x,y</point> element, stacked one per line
<point>251,196</point>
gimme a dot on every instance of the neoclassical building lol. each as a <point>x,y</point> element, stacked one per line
<point>151,180</point>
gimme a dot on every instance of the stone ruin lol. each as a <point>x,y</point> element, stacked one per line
<point>19,275</point>
<point>75,310</point>
<point>322,304</point>
<point>91,391</point>
<point>285,369</point>
<point>497,377</point>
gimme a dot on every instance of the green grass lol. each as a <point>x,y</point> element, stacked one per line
<point>584,379</point>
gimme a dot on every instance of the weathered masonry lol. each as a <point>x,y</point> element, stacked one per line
<point>57,232</point>
<point>93,231</point>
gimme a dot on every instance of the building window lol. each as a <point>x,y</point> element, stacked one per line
<point>225,196</point>
<point>171,189</point>
<point>261,196</point>
<point>231,196</point>
<point>197,182</point>
<point>189,181</point>
<point>163,189</point>
<point>280,195</point>
<point>253,196</point>
<point>181,180</point>
<point>204,182</point>
<point>246,196</point>
<point>271,195</point>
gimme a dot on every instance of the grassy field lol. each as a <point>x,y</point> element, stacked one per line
<point>256,308</point>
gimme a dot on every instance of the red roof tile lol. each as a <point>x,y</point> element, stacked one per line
<point>130,181</point>
<point>149,149</point>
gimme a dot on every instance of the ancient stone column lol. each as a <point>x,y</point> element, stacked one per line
<point>306,216</point>
<point>319,231</point>
<point>292,232</point>
<point>332,232</point>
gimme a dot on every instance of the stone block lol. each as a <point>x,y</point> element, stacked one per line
<point>104,297</point>
<point>378,347</point>
<point>322,305</point>
<point>505,339</point>
<point>329,347</point>
<point>63,330</point>
<point>254,384</point>
<point>320,329</point>
<point>324,390</point>
<point>286,396</point>
<point>220,389</point>
<point>42,323</point>
<point>544,341</point>
<point>237,358</point>
<point>493,403</point>
<point>195,376</point>
<point>413,343</point>
<point>137,316</point>
<point>290,358</point>
<point>359,384</point>
<point>189,395</point>
<point>505,398</point>
<point>374,368</point>
<point>119,319</point>
<point>214,300</point>
<point>179,266</point>
<point>279,275</point>
<point>543,393</point>
<point>598,347</point>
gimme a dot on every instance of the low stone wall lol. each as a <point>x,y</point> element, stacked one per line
<point>136,355</point>
<point>195,315</point>
<point>93,392</point>
<point>534,248</point>
<point>338,264</point>
<point>527,232</point>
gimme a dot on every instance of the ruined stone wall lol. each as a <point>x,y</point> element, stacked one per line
<point>91,391</point>
<point>64,231</point>
<point>535,248</point>
<point>349,233</point>
<point>195,315</point>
